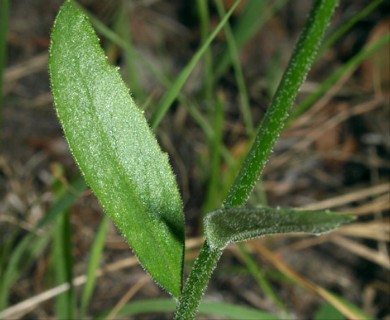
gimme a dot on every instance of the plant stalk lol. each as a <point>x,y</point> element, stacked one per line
<point>197,282</point>
<point>274,120</point>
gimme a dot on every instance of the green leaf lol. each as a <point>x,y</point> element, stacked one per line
<point>328,312</point>
<point>239,224</point>
<point>115,149</point>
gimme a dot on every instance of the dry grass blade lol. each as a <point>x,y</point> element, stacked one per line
<point>376,230</point>
<point>322,102</point>
<point>24,69</point>
<point>19,310</point>
<point>306,243</point>
<point>132,291</point>
<point>339,117</point>
<point>312,129</point>
<point>381,203</point>
<point>290,272</point>
<point>363,251</point>
<point>350,197</point>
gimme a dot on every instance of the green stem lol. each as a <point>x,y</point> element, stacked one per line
<point>197,282</point>
<point>302,58</point>
<point>274,120</point>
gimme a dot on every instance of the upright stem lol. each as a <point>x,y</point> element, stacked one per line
<point>197,282</point>
<point>302,58</point>
<point>274,120</point>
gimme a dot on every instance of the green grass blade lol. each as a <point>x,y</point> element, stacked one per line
<point>62,264</point>
<point>213,194</point>
<point>6,249</point>
<point>122,29</point>
<point>115,149</point>
<point>328,312</point>
<point>349,24</point>
<point>250,22</point>
<point>20,256</point>
<point>173,92</point>
<point>274,120</point>
<point>67,196</point>
<point>242,90</point>
<point>207,308</point>
<point>344,304</point>
<point>335,76</point>
<point>102,29</point>
<point>260,278</point>
<point>230,311</point>
<point>208,129</point>
<point>204,21</point>
<point>93,265</point>
<point>11,271</point>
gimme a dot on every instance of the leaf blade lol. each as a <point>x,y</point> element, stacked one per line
<point>115,149</point>
<point>239,223</point>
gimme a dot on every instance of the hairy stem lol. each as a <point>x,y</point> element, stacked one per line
<point>197,282</point>
<point>274,120</point>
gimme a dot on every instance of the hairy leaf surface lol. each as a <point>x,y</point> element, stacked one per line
<point>238,224</point>
<point>115,149</point>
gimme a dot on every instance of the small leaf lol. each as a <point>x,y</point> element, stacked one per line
<point>115,149</point>
<point>239,224</point>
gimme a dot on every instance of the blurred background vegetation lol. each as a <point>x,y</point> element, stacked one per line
<point>333,154</point>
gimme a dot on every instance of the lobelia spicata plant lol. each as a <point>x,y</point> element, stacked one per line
<point>123,164</point>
